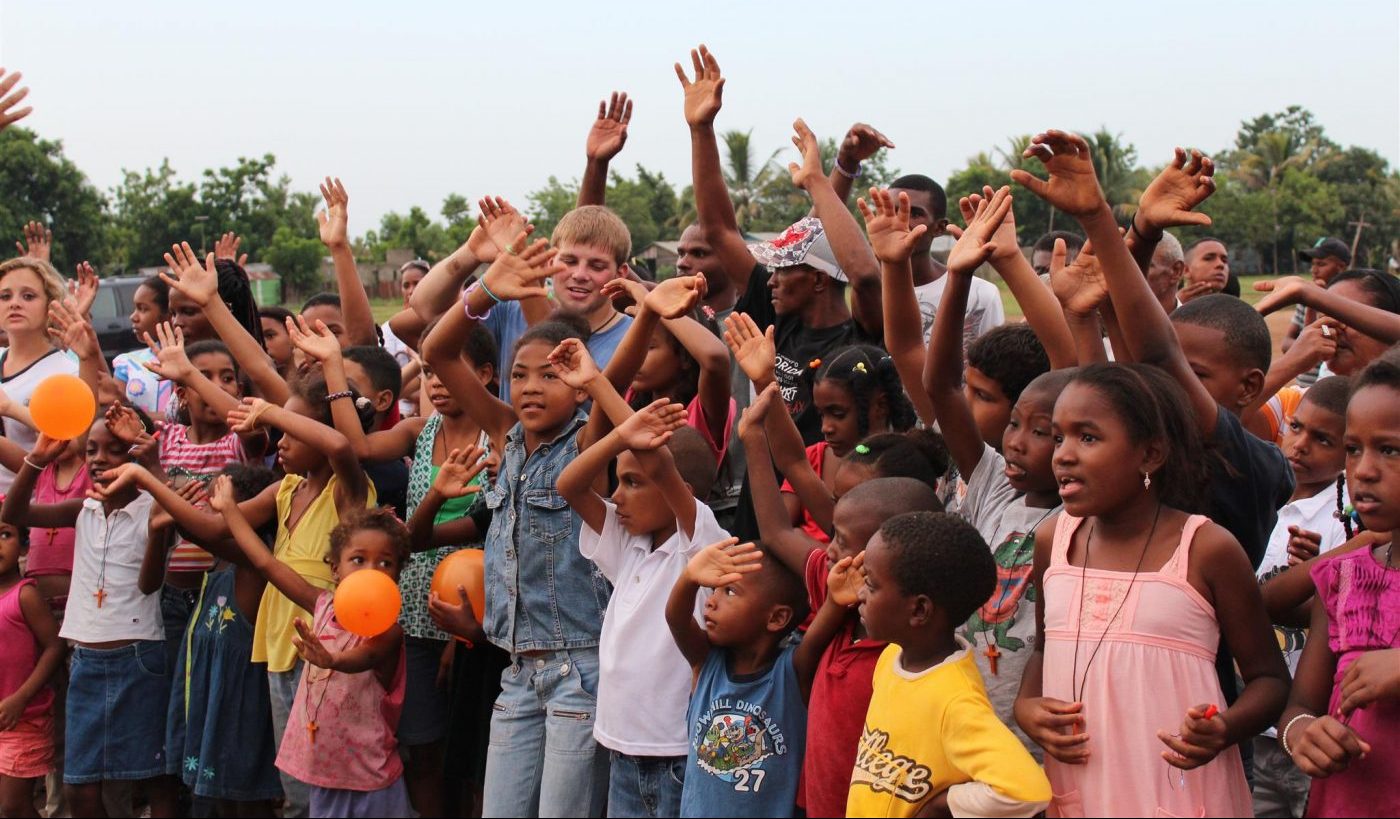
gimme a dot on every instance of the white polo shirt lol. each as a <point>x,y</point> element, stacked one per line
<point>107,555</point>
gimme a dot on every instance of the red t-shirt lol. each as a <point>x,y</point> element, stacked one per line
<point>816,455</point>
<point>836,711</point>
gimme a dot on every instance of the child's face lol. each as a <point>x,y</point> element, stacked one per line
<point>277,342</point>
<point>1312,442</point>
<point>662,365</point>
<point>146,312</point>
<point>104,451</point>
<point>991,409</point>
<point>295,457</point>
<point>437,394</point>
<point>1355,349</point>
<point>741,613</point>
<point>840,415</point>
<point>641,508</point>
<point>218,368</point>
<point>542,401</point>
<point>851,529</point>
<point>1373,457</point>
<point>578,288</point>
<point>9,549</point>
<point>24,302</point>
<point>367,549</point>
<point>1029,442</point>
<point>358,377</point>
<point>189,317</point>
<point>1097,464</point>
<point>884,608</point>
<point>330,314</point>
<point>1232,384</point>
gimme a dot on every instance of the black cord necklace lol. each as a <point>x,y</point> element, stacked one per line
<point>1024,543</point>
<point>1076,684</point>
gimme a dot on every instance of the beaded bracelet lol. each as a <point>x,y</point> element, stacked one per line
<point>1283,735</point>
<point>337,395</point>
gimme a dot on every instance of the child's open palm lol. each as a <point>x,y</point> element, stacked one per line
<point>975,243</point>
<point>703,94</point>
<point>676,296</point>
<point>336,216</point>
<point>497,229</point>
<point>1004,237</point>
<point>1170,200</point>
<point>458,470</point>
<point>317,342</point>
<point>221,497</point>
<point>626,292</point>
<point>720,564</point>
<point>71,330</point>
<point>171,361</point>
<point>246,416</point>
<point>46,450</point>
<point>651,426</point>
<point>887,225</point>
<point>123,422</point>
<point>1079,285</point>
<point>844,580</point>
<point>309,646</point>
<point>573,363</point>
<point>753,349</point>
<point>38,240</point>
<point>755,415</point>
<point>516,276</point>
<point>609,131</point>
<point>1073,186</point>
<point>200,284</point>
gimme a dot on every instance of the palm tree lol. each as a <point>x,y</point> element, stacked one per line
<point>1274,153</point>
<point>1115,162</point>
<point>745,177</point>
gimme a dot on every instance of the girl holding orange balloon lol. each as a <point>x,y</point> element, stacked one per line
<point>340,738</point>
<point>27,287</point>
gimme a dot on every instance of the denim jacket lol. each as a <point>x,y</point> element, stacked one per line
<point>542,594</point>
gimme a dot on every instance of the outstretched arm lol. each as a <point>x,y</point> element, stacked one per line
<point>354,301</point>
<point>17,509</point>
<point>789,544</point>
<point>1289,290</point>
<point>454,480</point>
<point>352,487</point>
<point>713,207</point>
<point>860,143</point>
<point>279,574</point>
<point>605,141</point>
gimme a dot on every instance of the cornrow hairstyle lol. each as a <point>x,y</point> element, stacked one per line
<point>867,371</point>
<point>237,292</point>
<point>1154,407</point>
<point>159,290</point>
<point>374,519</point>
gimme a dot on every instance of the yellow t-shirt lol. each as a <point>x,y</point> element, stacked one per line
<point>928,732</point>
<point>304,549</point>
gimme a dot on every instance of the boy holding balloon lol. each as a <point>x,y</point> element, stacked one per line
<point>340,736</point>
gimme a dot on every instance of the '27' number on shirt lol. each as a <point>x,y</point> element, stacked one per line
<point>742,777</point>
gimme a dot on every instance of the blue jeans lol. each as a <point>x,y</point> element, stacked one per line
<point>542,759</point>
<point>645,786</point>
<point>282,686</point>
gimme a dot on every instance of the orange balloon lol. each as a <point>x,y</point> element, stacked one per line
<point>62,406</point>
<point>462,568</point>
<point>367,602</point>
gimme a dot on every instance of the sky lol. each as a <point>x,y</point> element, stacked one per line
<point>412,101</point>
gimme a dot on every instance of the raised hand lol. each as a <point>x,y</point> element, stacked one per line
<point>754,351</point>
<point>1202,737</point>
<point>516,276</point>
<point>46,450</point>
<point>573,364</point>
<point>317,342</point>
<point>227,248</point>
<point>1325,746</point>
<point>975,244</point>
<point>1079,286</point>
<point>704,93</point>
<point>609,131</point>
<point>1004,238</point>
<point>810,170</point>
<point>755,415</point>
<point>221,497</point>
<point>887,225</point>
<point>335,217</point>
<point>626,293</point>
<point>1171,199</point>
<point>84,289</point>
<point>676,296</point>
<point>844,580</point>
<point>71,331</point>
<point>1284,291</point>
<point>199,284</point>
<point>38,240</point>
<point>720,564</point>
<point>1197,289</point>
<point>860,143</point>
<point>169,348</point>
<point>123,422</point>
<point>1046,722</point>
<point>1073,186</point>
<point>9,114</point>
<point>497,229</point>
<point>458,470</point>
<point>651,426</point>
<point>1373,677</point>
<point>247,415</point>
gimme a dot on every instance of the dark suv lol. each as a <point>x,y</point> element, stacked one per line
<point>111,315</point>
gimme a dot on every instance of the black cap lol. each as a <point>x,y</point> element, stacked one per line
<point>1327,248</point>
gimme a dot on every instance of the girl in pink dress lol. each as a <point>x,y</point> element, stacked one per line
<point>1342,724</point>
<point>1134,596</point>
<point>340,733</point>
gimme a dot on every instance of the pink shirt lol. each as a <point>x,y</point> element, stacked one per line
<point>181,456</point>
<point>51,550</point>
<point>19,653</point>
<point>354,747</point>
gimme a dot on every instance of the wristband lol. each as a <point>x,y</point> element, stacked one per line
<point>836,163</point>
<point>1132,225</point>
<point>1283,735</point>
<point>342,394</point>
<point>482,283</point>
<point>32,465</point>
<point>467,305</point>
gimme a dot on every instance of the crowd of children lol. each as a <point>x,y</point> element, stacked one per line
<point>805,529</point>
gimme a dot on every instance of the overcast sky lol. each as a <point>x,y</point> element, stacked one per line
<point>412,101</point>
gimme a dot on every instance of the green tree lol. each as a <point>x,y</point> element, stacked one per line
<point>297,258</point>
<point>457,210</point>
<point>747,178</point>
<point>547,205</point>
<point>1368,190</point>
<point>152,210</point>
<point>37,182</point>
<point>648,204</point>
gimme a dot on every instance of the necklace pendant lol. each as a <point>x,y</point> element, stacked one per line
<point>993,654</point>
<point>100,594</point>
<point>311,731</point>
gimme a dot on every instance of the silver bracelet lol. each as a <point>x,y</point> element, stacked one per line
<point>32,465</point>
<point>1283,735</point>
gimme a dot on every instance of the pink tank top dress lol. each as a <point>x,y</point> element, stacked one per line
<point>19,653</point>
<point>51,550</point>
<point>1156,660</point>
<point>353,747</point>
